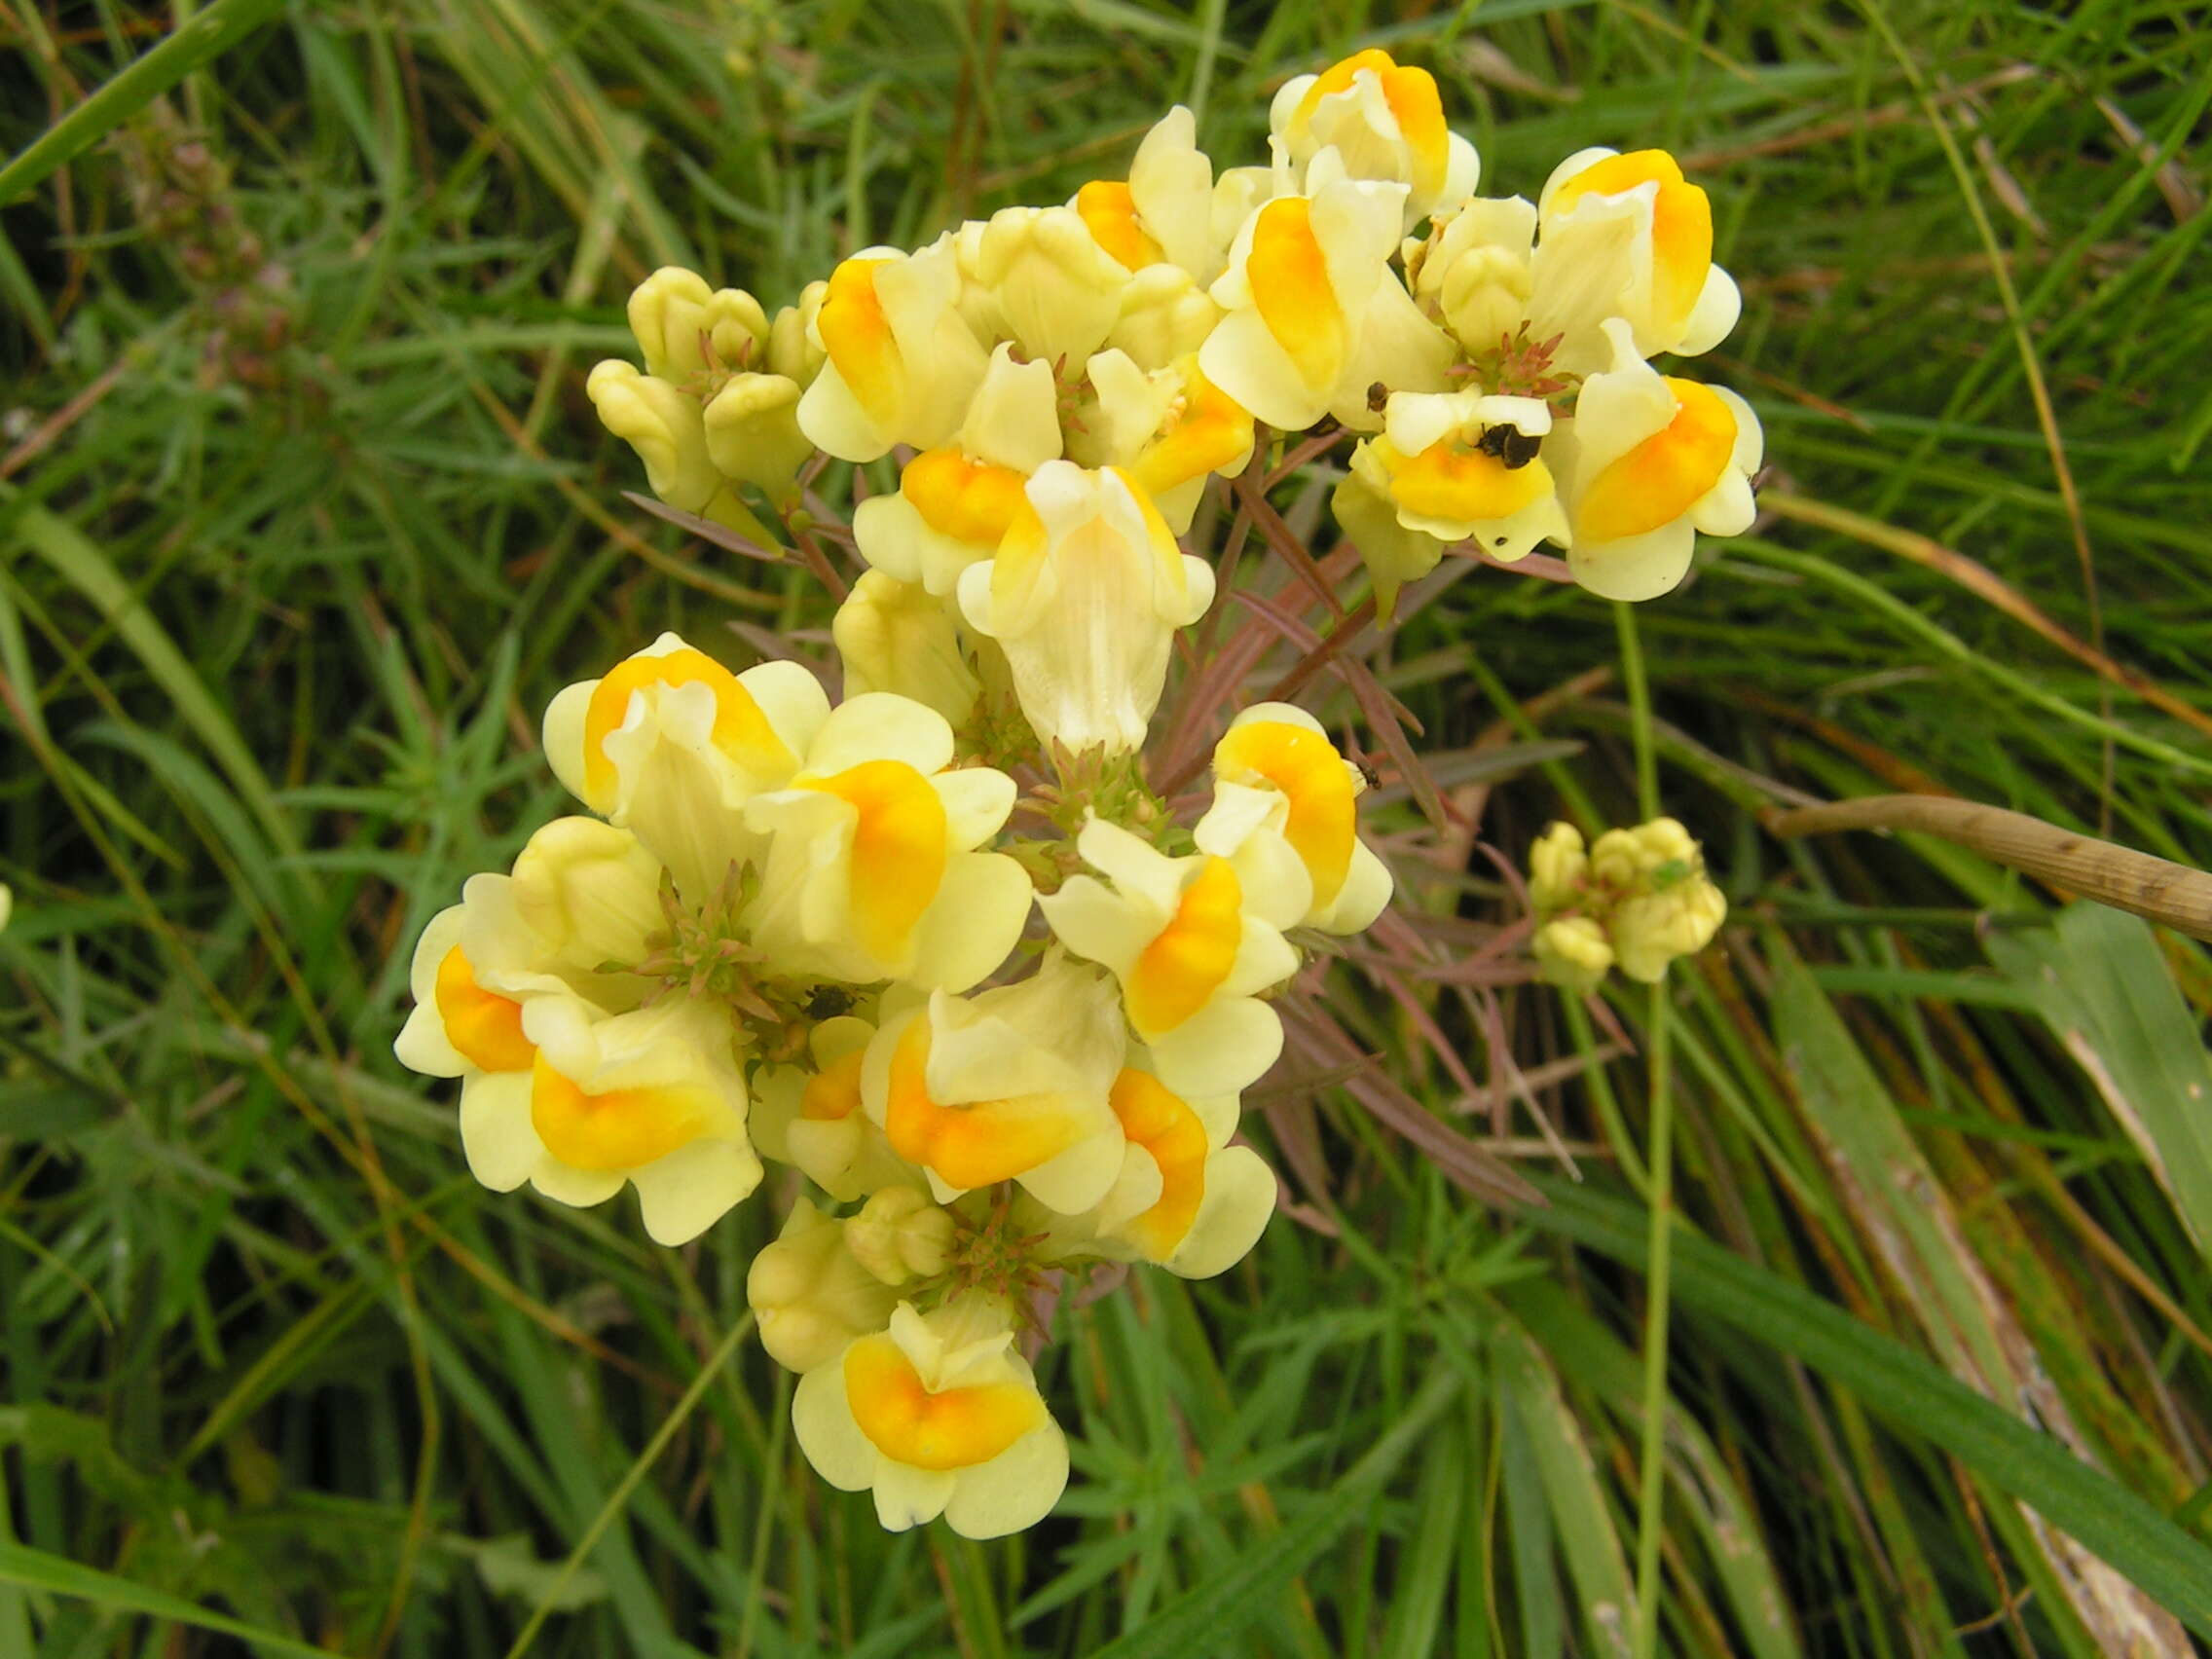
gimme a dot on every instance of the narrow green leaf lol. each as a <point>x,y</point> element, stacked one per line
<point>1202,1621</point>
<point>1913,1394</point>
<point>35,1569</point>
<point>2100,983</point>
<point>199,42</point>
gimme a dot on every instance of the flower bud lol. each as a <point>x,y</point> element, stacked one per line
<point>751,433</point>
<point>1574,952</point>
<point>590,891</point>
<point>900,1236</point>
<point>1557,866</point>
<point>809,1294</point>
<point>896,636</point>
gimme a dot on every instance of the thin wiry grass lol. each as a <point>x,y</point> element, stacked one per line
<point>305,517</point>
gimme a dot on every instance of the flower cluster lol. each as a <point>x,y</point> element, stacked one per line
<point>771,937</point>
<point>946,945</point>
<point>1635,899</point>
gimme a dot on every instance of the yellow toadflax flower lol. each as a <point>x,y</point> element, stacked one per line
<point>1169,429</point>
<point>900,361</point>
<point>1084,596</point>
<point>810,1116</point>
<point>872,870</point>
<point>936,1416</point>
<point>1213,1200</point>
<point>1627,237</point>
<point>1636,899</point>
<point>1385,121</point>
<point>1315,319</point>
<point>652,1099</point>
<point>1191,946</point>
<point>1646,462</point>
<point>1009,1085</point>
<point>954,501</point>
<point>898,637</point>
<point>717,404</point>
<point>672,744</point>
<point>1280,783</point>
<point>1452,467</point>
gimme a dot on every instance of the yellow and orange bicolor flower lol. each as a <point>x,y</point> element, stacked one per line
<point>1085,595</point>
<point>938,1415</point>
<point>810,1116</point>
<point>1284,793</point>
<point>1385,122</point>
<point>1170,430</point>
<point>672,744</point>
<point>1646,462</point>
<point>1314,316</point>
<point>873,872</point>
<point>955,502</point>
<point>652,1098</point>
<point>900,362</point>
<point>1442,477</point>
<point>1191,946</point>
<point>1213,1200</point>
<point>1009,1085</point>
<point>1626,236</point>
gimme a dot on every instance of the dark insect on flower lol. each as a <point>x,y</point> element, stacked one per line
<point>1509,444</point>
<point>1377,395</point>
<point>829,1002</point>
<point>1372,777</point>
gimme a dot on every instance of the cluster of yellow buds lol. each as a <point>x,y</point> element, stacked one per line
<point>943,945</point>
<point>1635,899</point>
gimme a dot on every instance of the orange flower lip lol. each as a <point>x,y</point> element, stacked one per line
<point>623,1128</point>
<point>953,1428</point>
<point>1662,478</point>
<point>484,1027</point>
<point>1164,1126</point>
<point>973,1145</point>
<point>741,729</point>
<point>1186,963</point>
<point>1306,769</point>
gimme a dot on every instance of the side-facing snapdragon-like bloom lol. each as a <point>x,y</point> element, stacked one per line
<point>954,502</point>
<point>1385,121</point>
<point>1038,277</point>
<point>1281,783</point>
<point>810,1294</point>
<point>1627,237</point>
<point>1171,210</point>
<point>900,363</point>
<point>872,870</point>
<point>810,1116</point>
<point>652,1097</point>
<point>1191,947</point>
<point>1646,462</point>
<point>1452,467</point>
<point>1214,1200</point>
<point>1009,1085</point>
<point>940,1415</point>
<point>1170,430</point>
<point>672,744</point>
<point>898,637</point>
<point>1315,319</point>
<point>715,405</point>
<point>1084,596</point>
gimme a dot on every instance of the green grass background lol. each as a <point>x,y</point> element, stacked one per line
<point>303,516</point>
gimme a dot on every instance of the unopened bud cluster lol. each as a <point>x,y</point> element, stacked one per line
<point>1633,898</point>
